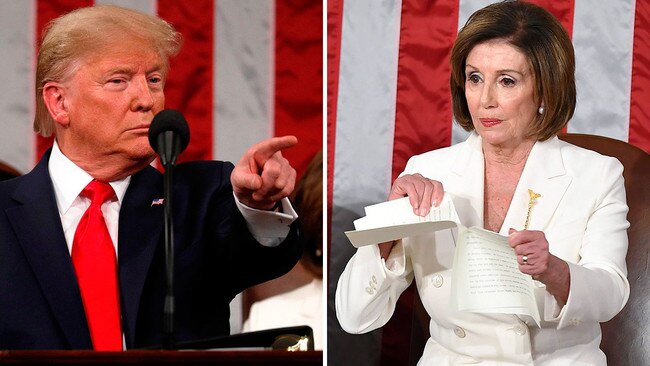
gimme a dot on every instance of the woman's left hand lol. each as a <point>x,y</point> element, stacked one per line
<point>532,252</point>
<point>534,259</point>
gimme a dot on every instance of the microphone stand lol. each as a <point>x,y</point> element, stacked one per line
<point>166,143</point>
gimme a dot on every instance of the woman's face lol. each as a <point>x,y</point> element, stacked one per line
<point>500,93</point>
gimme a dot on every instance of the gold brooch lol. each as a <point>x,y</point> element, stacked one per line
<point>532,199</point>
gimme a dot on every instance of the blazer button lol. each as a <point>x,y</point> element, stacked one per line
<point>460,332</point>
<point>437,281</point>
<point>372,285</point>
<point>520,329</point>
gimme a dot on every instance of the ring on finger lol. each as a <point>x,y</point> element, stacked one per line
<point>524,259</point>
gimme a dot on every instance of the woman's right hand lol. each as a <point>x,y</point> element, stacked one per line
<point>423,193</point>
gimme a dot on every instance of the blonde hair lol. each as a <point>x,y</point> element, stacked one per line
<point>75,35</point>
<point>540,36</point>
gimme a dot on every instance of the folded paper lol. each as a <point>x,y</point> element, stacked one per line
<point>486,276</point>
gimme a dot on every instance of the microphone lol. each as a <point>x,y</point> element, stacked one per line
<point>169,135</point>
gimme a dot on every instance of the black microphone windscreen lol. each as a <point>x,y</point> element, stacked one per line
<point>169,120</point>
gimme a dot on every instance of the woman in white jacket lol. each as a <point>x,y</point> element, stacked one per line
<point>513,85</point>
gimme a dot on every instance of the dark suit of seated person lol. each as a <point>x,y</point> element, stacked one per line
<point>100,78</point>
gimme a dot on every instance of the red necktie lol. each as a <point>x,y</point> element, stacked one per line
<point>93,256</point>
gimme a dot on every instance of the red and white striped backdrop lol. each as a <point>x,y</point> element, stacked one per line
<point>248,70</point>
<point>388,99</point>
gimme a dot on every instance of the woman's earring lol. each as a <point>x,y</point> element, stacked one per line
<point>541,110</point>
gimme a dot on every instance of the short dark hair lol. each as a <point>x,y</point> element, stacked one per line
<point>308,201</point>
<point>538,35</point>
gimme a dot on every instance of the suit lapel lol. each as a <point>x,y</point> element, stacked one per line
<point>467,186</point>
<point>41,237</point>
<point>544,173</point>
<point>140,227</point>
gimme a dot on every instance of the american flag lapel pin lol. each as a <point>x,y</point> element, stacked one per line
<point>157,201</point>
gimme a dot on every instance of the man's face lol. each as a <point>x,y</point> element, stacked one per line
<point>111,100</point>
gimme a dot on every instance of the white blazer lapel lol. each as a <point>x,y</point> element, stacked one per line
<point>467,182</point>
<point>544,173</point>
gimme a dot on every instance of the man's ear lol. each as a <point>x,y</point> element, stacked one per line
<point>54,98</point>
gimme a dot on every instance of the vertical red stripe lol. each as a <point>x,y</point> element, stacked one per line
<point>46,10</point>
<point>639,134</point>
<point>423,109</point>
<point>334,32</point>
<point>299,77</point>
<point>189,85</point>
<point>422,120</point>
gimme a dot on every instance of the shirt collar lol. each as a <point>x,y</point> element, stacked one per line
<point>69,180</point>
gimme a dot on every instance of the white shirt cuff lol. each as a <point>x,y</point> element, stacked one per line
<point>269,228</point>
<point>395,264</point>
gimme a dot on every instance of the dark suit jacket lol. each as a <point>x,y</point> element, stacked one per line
<point>215,258</point>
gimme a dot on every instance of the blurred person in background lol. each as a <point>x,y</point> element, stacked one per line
<point>302,305</point>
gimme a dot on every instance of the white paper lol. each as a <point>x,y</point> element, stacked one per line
<point>486,276</point>
<point>395,219</point>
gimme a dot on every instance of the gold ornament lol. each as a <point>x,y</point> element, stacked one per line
<point>531,201</point>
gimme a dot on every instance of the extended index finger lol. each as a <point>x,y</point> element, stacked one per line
<point>265,149</point>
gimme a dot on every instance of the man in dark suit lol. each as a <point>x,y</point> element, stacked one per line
<point>99,82</point>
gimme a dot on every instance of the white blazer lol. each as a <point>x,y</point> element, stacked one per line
<point>582,211</point>
<point>301,306</point>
